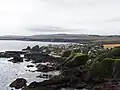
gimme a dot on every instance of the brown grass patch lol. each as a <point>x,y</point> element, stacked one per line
<point>111,45</point>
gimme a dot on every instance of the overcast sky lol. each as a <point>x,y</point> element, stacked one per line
<point>28,17</point>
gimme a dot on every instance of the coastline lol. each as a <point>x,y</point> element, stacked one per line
<point>81,66</point>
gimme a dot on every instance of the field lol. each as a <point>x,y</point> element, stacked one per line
<point>111,45</point>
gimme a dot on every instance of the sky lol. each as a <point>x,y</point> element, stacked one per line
<point>29,17</point>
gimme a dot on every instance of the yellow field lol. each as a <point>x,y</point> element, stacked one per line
<point>111,45</point>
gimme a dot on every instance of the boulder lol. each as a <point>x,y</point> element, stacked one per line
<point>108,85</point>
<point>40,88</point>
<point>66,53</point>
<point>72,55</point>
<point>94,71</point>
<point>77,60</point>
<point>99,69</point>
<point>38,57</point>
<point>107,65</point>
<point>45,68</point>
<point>8,54</point>
<point>55,83</point>
<point>45,75</point>
<point>16,59</point>
<point>35,48</point>
<point>116,69</point>
<point>67,78</point>
<point>80,86</point>
<point>18,83</point>
<point>112,53</point>
<point>26,49</point>
<point>30,66</point>
<point>4,55</point>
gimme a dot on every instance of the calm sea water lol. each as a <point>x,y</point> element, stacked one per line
<point>19,45</point>
<point>10,71</point>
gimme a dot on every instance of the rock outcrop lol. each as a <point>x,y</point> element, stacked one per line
<point>18,83</point>
<point>16,59</point>
<point>76,60</point>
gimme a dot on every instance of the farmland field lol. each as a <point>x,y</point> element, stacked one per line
<point>111,45</point>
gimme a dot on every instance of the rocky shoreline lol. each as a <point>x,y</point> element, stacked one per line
<point>81,66</point>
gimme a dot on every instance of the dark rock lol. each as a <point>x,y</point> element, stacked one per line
<point>40,88</point>
<point>18,83</point>
<point>27,60</point>
<point>56,81</point>
<point>4,55</point>
<point>116,69</point>
<point>67,78</point>
<point>35,48</point>
<point>107,86</point>
<point>113,53</point>
<point>45,76</point>
<point>38,57</point>
<point>100,69</point>
<point>45,68</point>
<point>15,52</point>
<point>80,86</point>
<point>30,66</point>
<point>8,54</point>
<point>27,49</point>
<point>16,59</point>
<point>77,60</point>
<point>66,53</point>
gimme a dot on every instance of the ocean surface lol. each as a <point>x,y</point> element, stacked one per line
<point>19,45</point>
<point>10,71</point>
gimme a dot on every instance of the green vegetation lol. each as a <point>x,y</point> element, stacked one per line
<point>76,59</point>
<point>116,69</point>
<point>107,65</point>
<point>113,53</point>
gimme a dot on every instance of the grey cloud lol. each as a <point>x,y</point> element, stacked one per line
<point>54,29</point>
<point>117,19</point>
<point>46,29</point>
<point>83,16</point>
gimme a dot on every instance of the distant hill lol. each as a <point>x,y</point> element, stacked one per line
<point>11,37</point>
<point>81,38</point>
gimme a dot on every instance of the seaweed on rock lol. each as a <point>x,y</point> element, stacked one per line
<point>76,59</point>
<point>101,69</point>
